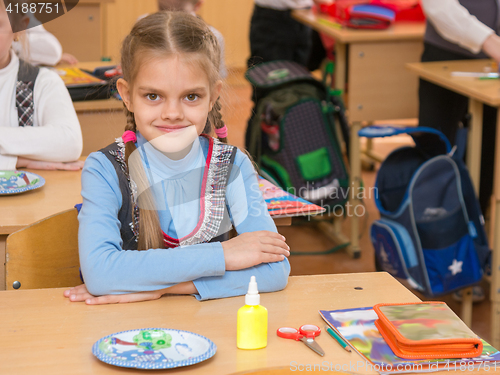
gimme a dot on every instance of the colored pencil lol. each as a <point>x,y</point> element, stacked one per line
<point>329,23</point>
<point>339,339</point>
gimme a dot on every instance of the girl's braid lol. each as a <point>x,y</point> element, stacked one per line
<point>130,119</point>
<point>215,118</point>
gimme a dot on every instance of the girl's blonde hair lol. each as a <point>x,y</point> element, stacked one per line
<point>165,34</point>
<point>17,25</point>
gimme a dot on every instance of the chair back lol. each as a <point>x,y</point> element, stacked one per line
<point>44,254</point>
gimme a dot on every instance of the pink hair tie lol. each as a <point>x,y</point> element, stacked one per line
<point>221,132</point>
<point>128,136</point>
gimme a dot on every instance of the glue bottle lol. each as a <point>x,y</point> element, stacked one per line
<point>252,321</point>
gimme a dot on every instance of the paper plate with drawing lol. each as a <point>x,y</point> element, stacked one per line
<point>15,182</point>
<point>153,348</point>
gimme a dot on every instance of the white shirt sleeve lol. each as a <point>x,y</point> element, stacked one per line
<point>56,136</point>
<point>43,48</point>
<point>455,24</point>
<point>8,162</point>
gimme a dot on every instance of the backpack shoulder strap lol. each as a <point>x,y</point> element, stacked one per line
<point>25,85</point>
<point>461,143</point>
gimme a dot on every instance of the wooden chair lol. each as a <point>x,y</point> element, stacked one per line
<point>44,254</point>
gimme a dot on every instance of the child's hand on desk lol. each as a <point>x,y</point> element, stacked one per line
<point>491,47</point>
<point>80,294</point>
<point>48,165</point>
<point>253,248</point>
<point>68,58</point>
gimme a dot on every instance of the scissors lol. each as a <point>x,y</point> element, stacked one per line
<point>305,333</point>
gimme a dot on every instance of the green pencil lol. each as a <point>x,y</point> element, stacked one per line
<point>329,23</point>
<point>337,338</point>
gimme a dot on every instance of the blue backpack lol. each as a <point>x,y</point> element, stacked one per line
<point>431,231</point>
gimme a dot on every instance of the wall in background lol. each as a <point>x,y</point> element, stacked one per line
<point>80,31</point>
<point>232,19</point>
<point>96,28</point>
<point>119,17</point>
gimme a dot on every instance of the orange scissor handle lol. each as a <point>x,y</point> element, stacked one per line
<point>289,333</point>
<point>310,330</point>
<point>307,330</point>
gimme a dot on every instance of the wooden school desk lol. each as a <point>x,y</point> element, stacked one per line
<point>43,333</point>
<point>101,120</point>
<point>479,92</point>
<point>370,64</point>
<point>60,192</point>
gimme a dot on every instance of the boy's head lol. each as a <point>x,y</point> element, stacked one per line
<point>190,6</point>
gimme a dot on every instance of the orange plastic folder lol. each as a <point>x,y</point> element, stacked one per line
<point>423,330</point>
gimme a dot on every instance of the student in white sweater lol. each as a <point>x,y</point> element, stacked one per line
<point>54,138</point>
<point>460,30</point>
<point>467,27</point>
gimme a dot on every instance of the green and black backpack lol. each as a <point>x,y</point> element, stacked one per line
<point>293,134</point>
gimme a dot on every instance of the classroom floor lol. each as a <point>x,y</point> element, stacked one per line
<point>236,107</point>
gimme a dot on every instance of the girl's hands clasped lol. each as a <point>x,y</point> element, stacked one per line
<point>244,251</point>
<point>253,248</point>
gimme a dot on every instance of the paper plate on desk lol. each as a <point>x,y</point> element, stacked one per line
<point>15,182</point>
<point>153,348</point>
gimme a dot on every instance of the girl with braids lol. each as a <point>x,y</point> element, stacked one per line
<point>158,203</point>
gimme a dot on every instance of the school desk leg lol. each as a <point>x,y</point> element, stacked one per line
<point>466,308</point>
<point>354,203</point>
<point>474,166</point>
<point>340,66</point>
<point>370,153</point>
<point>474,142</point>
<point>3,240</point>
<point>369,157</point>
<point>495,275</point>
<point>332,228</point>
<point>495,262</point>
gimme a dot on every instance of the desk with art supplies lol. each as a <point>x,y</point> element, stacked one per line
<point>44,333</point>
<point>101,120</point>
<point>463,77</point>
<point>370,69</point>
